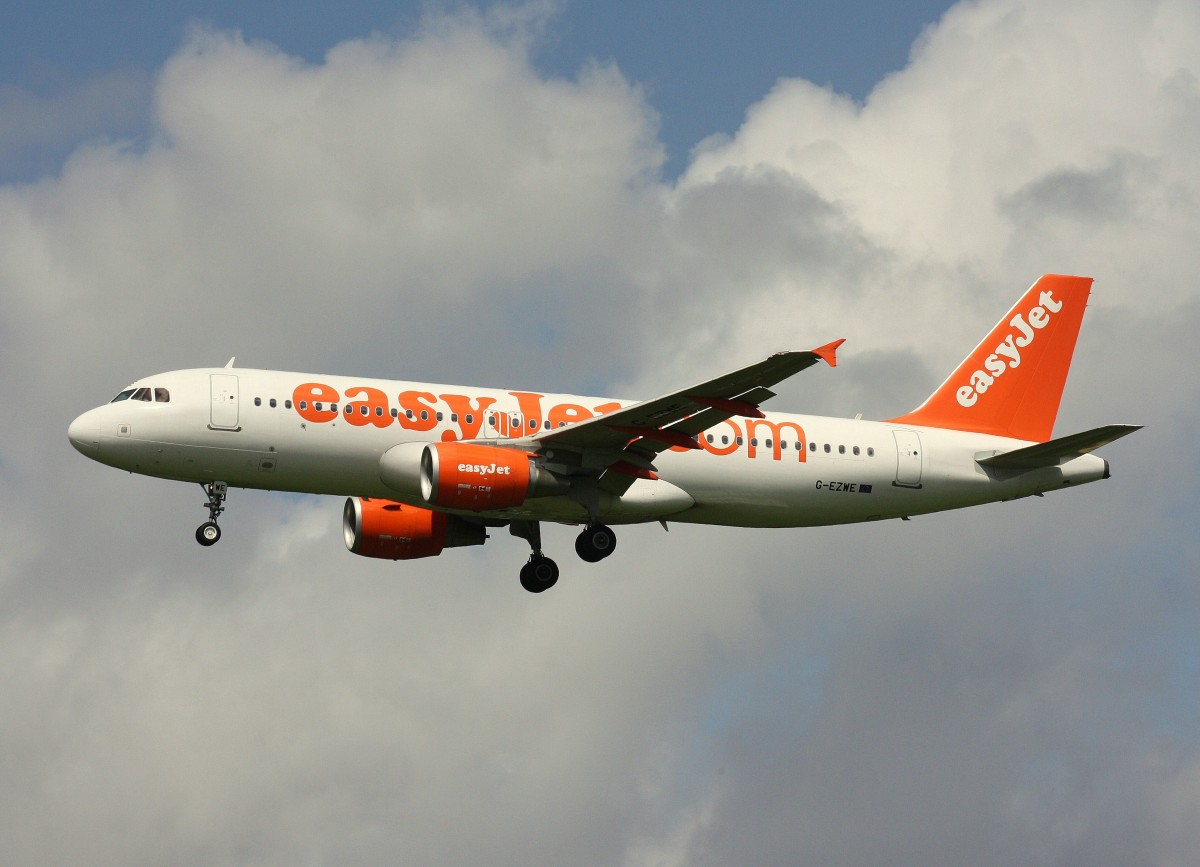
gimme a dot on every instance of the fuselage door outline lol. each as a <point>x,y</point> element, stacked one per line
<point>224,410</point>
<point>908,459</point>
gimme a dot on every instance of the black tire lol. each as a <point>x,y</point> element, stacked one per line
<point>595,543</point>
<point>208,533</point>
<point>539,574</point>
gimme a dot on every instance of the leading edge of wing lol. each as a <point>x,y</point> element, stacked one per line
<point>735,393</point>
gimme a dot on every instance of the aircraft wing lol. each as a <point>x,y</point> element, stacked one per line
<point>636,433</point>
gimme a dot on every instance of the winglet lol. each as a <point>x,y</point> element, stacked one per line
<point>828,352</point>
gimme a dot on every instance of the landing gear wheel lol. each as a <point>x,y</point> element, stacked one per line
<point>208,533</point>
<point>595,543</point>
<point>540,573</point>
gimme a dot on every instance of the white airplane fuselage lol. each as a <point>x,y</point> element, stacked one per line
<point>245,427</point>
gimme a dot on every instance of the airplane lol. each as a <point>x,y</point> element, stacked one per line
<point>427,467</point>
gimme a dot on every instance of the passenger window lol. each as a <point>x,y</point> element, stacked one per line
<point>754,441</point>
<point>258,401</point>
<point>287,404</point>
<point>424,415</point>
<point>470,419</point>
<point>273,403</point>
<point>379,412</point>
<point>439,416</point>
<point>304,404</point>
<point>739,440</point>
<point>724,440</point>
<point>827,448</point>
<point>812,447</point>
<point>768,443</point>
<point>841,450</point>
<point>395,413</point>
<point>856,450</point>
<point>870,451</point>
<point>161,395</point>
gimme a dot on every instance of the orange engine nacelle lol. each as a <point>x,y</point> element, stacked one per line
<point>393,531</point>
<point>468,476</point>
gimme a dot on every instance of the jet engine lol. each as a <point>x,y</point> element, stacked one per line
<point>466,475</point>
<point>393,531</point>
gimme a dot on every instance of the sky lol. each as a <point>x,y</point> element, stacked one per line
<point>75,71</point>
<point>594,199</point>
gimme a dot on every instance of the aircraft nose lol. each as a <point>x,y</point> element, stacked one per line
<point>84,434</point>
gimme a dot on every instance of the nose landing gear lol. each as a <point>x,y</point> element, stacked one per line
<point>209,533</point>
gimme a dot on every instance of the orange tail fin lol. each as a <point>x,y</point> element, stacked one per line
<point>1012,383</point>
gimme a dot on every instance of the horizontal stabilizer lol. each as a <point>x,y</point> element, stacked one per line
<point>1058,451</point>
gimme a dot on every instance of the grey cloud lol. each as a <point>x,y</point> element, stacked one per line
<point>1102,195</point>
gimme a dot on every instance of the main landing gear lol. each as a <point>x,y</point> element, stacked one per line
<point>595,543</point>
<point>209,533</point>
<point>541,573</point>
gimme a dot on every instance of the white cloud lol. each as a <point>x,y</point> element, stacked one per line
<point>996,684</point>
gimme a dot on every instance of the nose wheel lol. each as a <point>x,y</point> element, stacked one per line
<point>209,533</point>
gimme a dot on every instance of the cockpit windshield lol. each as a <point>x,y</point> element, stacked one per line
<point>146,393</point>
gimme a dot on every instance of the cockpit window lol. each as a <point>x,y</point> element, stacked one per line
<point>146,393</point>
